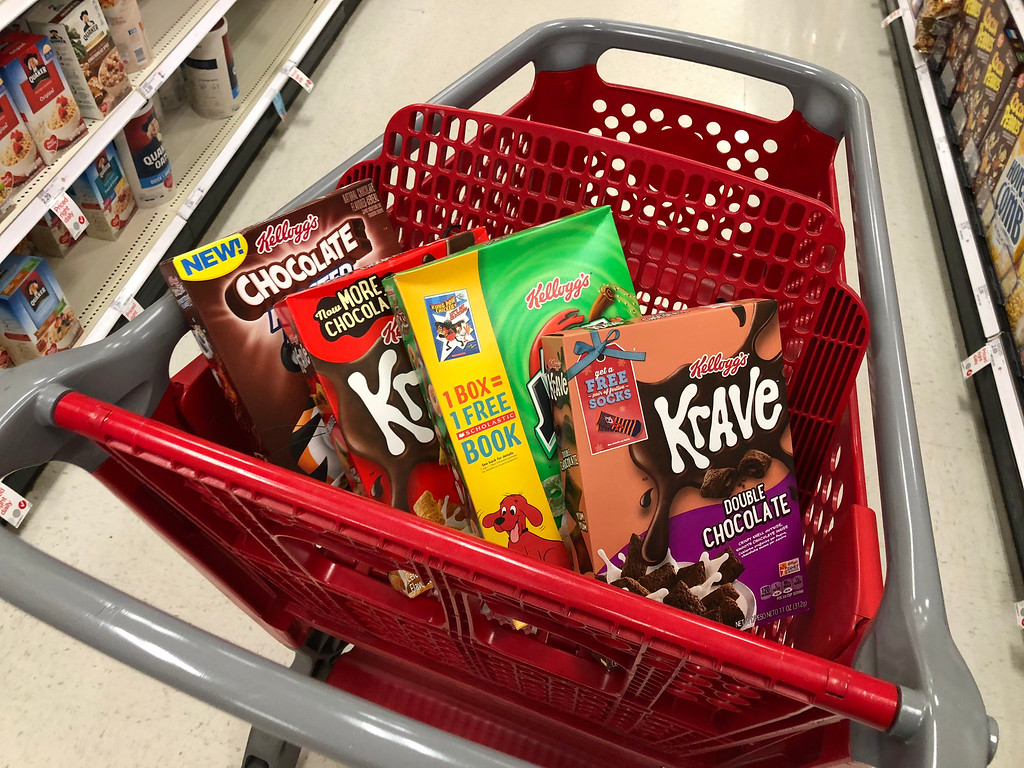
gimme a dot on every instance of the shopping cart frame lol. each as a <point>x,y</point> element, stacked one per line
<point>941,714</point>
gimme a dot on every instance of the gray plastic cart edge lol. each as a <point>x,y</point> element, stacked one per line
<point>942,719</point>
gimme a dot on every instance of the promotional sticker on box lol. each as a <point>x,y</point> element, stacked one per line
<point>35,318</point>
<point>228,290</point>
<point>676,459</point>
<point>473,325</point>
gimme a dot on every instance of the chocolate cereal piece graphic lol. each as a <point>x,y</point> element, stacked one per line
<point>718,483</point>
<point>730,613</point>
<point>692,575</point>
<point>754,463</point>
<point>682,598</point>
<point>732,568</point>
<point>632,585</point>
<point>634,567</point>
<point>607,422</point>
<point>717,597</point>
<point>660,578</point>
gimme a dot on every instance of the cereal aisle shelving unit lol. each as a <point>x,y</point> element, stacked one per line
<point>1000,387</point>
<point>268,39</point>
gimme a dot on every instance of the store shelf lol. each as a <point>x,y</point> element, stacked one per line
<point>983,321</point>
<point>179,26</point>
<point>101,278</point>
<point>12,9</point>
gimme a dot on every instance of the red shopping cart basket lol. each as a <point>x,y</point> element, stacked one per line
<point>597,671</point>
<point>636,678</point>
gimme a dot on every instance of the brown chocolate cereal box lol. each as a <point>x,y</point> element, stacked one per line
<point>676,459</point>
<point>967,93</point>
<point>960,40</point>
<point>228,290</point>
<point>1005,65</point>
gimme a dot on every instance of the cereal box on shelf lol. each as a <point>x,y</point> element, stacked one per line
<point>473,325</point>
<point>19,157</point>
<point>998,144</point>
<point>35,318</point>
<point>78,32</point>
<point>36,84</point>
<point>1005,65</point>
<point>967,93</point>
<point>677,462</point>
<point>104,195</point>
<point>50,236</point>
<point>1003,219</point>
<point>959,46</point>
<point>228,289</point>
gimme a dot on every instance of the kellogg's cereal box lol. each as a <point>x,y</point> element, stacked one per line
<point>346,340</point>
<point>473,325</point>
<point>676,459</point>
<point>35,318</point>
<point>36,84</point>
<point>228,290</point>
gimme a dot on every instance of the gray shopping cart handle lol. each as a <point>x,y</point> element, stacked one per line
<point>128,369</point>
<point>293,707</point>
<point>942,719</point>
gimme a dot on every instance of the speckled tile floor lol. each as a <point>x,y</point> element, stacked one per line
<point>68,705</point>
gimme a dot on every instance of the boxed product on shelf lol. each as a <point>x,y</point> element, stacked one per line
<point>934,24</point>
<point>92,66</point>
<point>990,158</point>
<point>991,22</point>
<point>344,336</point>
<point>677,459</point>
<point>36,84</point>
<point>50,237</point>
<point>228,289</point>
<point>1004,66</point>
<point>35,318</point>
<point>125,22</point>
<point>104,195</point>
<point>1003,218</point>
<point>19,157</point>
<point>473,324</point>
<point>960,40</point>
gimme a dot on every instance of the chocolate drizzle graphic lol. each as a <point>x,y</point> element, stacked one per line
<point>683,414</point>
<point>383,414</point>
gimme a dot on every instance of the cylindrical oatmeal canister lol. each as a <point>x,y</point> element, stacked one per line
<point>126,28</point>
<point>210,75</point>
<point>144,158</point>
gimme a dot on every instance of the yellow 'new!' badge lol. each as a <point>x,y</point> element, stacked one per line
<point>213,260</point>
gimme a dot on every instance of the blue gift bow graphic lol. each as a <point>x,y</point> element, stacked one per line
<point>592,351</point>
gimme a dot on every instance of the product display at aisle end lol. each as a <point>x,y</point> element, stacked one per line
<point>528,358</point>
<point>965,87</point>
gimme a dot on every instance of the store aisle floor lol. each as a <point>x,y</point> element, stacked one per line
<point>68,705</point>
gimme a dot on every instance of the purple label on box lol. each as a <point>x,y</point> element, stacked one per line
<point>751,541</point>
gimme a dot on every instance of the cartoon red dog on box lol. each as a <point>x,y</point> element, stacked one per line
<point>513,518</point>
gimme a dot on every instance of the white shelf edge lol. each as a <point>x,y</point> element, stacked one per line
<point>77,158</point>
<point>1013,412</point>
<point>110,316</point>
<point>1016,12</point>
<point>12,9</point>
<point>957,201</point>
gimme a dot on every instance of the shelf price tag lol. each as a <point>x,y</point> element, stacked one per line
<point>192,201</point>
<point>891,17</point>
<point>14,508</point>
<point>301,78</point>
<point>980,360</point>
<point>68,212</point>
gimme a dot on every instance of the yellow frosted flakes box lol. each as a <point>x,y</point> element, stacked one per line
<point>473,324</point>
